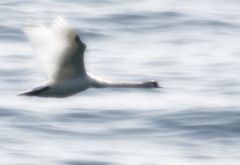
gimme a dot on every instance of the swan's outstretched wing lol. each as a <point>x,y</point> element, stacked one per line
<point>58,48</point>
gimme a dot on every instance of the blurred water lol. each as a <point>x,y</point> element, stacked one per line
<point>191,47</point>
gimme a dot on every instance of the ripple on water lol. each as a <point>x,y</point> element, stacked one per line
<point>5,112</point>
<point>94,116</point>
<point>196,124</point>
<point>11,33</point>
<point>86,162</point>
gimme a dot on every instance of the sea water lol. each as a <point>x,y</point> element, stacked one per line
<point>191,47</point>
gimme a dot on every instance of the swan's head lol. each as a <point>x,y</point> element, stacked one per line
<point>151,84</point>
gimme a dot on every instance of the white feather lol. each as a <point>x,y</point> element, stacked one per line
<point>60,52</point>
<point>56,49</point>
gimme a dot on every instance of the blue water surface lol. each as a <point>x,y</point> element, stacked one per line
<point>191,47</point>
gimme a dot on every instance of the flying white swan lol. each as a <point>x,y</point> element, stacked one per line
<point>61,53</point>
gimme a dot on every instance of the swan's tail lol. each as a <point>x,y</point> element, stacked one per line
<point>35,91</point>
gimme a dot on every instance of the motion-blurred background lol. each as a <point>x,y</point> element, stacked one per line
<point>191,47</point>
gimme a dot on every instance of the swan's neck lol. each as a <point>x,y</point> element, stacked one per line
<point>103,84</point>
<point>133,85</point>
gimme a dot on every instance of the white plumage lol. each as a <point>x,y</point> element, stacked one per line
<point>61,54</point>
<point>57,49</point>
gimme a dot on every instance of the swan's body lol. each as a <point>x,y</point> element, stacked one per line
<point>62,51</point>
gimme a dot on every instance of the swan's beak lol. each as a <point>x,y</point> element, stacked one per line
<point>156,85</point>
